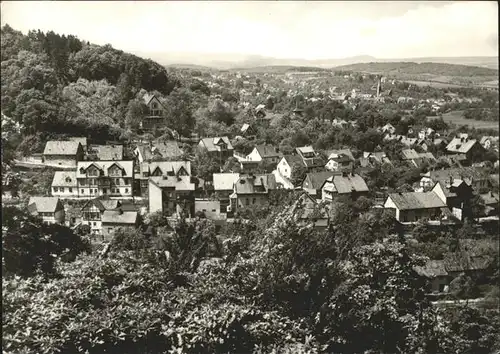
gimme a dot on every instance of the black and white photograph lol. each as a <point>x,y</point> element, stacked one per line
<point>261,177</point>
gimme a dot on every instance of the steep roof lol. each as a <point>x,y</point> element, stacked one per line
<point>165,149</point>
<point>181,183</point>
<point>45,204</point>
<point>416,200</point>
<point>64,179</point>
<point>267,151</point>
<point>224,181</point>
<point>293,159</point>
<point>210,143</point>
<point>54,147</point>
<point>108,152</point>
<point>119,217</point>
<point>256,184</point>
<point>80,139</point>
<point>127,166</point>
<point>316,179</point>
<point>165,166</point>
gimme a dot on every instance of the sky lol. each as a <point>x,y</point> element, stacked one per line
<point>280,29</point>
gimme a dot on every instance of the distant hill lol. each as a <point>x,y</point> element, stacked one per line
<point>412,68</point>
<point>279,69</point>
<point>243,61</point>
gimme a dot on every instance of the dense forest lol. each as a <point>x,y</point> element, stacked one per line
<point>60,84</point>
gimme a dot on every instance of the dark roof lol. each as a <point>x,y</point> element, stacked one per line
<point>459,173</point>
<point>108,152</point>
<point>267,151</point>
<point>314,162</point>
<point>293,159</point>
<point>349,183</point>
<point>416,200</point>
<point>211,143</point>
<point>255,184</point>
<point>165,149</point>
<point>316,179</point>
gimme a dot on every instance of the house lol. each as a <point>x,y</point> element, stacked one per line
<point>64,184</point>
<point>494,180</point>
<point>474,177</point>
<point>155,169</point>
<point>488,141</point>
<point>264,153</point>
<point>426,133</point>
<point>306,152</point>
<point>112,220</point>
<point>211,209</point>
<point>248,132</point>
<point>154,118</point>
<point>287,164</point>
<point>344,184</point>
<point>224,187</point>
<point>260,111</point>
<point>172,195</point>
<point>92,211</point>
<point>415,158</point>
<point>106,152</point>
<point>414,206</point>
<point>490,201</point>
<point>340,160</point>
<point>218,147</point>
<point>471,148</point>
<point>378,157</point>
<point>307,210</point>
<point>158,151</point>
<point>408,141</point>
<point>456,194</point>
<point>442,272</point>
<point>49,209</point>
<point>314,181</point>
<point>63,153</point>
<point>112,178</point>
<point>251,190</point>
<point>388,128</point>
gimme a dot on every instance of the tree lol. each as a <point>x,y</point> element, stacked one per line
<point>136,111</point>
<point>31,247</point>
<point>299,172</point>
<point>179,112</point>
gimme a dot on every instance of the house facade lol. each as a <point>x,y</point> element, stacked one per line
<point>343,184</point>
<point>49,209</point>
<point>287,164</point>
<point>171,194</point>
<point>264,153</point>
<point>64,184</point>
<point>110,178</point>
<point>218,147</point>
<point>414,206</point>
<point>154,118</point>
<point>314,181</point>
<point>145,170</point>
<point>118,219</point>
<point>251,190</point>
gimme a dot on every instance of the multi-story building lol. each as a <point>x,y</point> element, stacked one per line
<point>64,184</point>
<point>63,153</point>
<point>171,194</point>
<point>252,190</point>
<point>111,178</point>
<point>145,170</point>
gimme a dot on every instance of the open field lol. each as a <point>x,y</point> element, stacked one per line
<point>433,84</point>
<point>456,117</point>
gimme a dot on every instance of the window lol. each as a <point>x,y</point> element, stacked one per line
<point>91,191</point>
<point>253,201</point>
<point>247,201</point>
<point>213,210</point>
<point>110,229</point>
<point>126,190</point>
<point>70,190</point>
<point>82,191</point>
<point>55,189</point>
<point>61,189</point>
<point>204,210</point>
<point>104,190</point>
<point>94,223</point>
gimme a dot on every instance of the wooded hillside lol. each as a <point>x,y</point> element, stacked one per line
<point>62,85</point>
